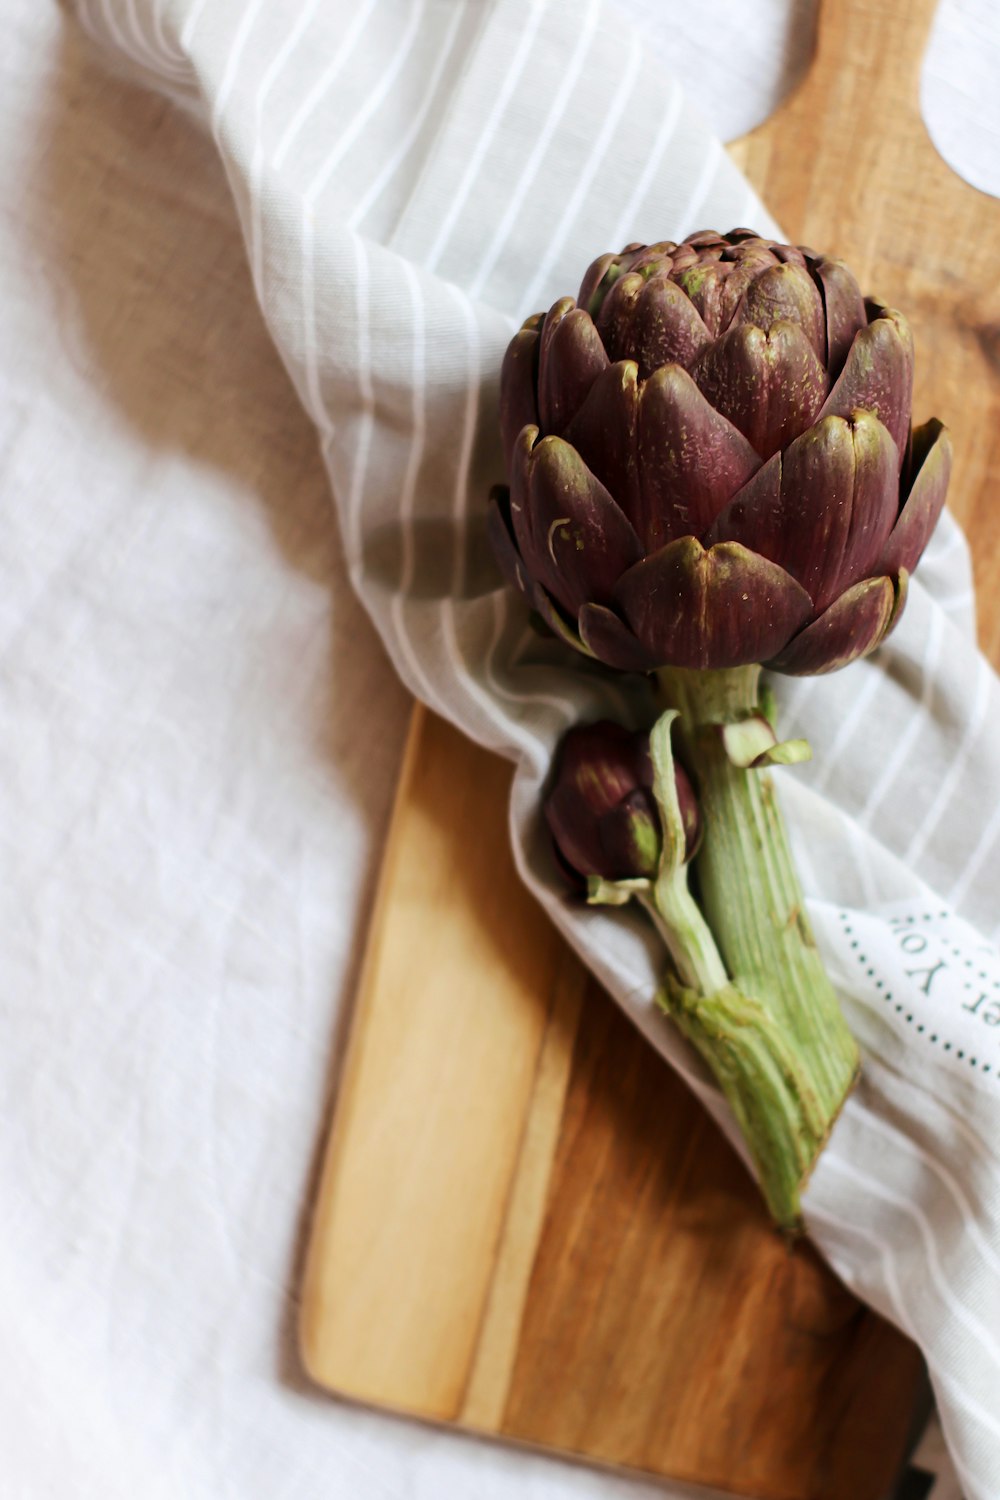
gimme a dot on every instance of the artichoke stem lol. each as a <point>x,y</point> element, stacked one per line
<point>688,938</point>
<point>776,1039</point>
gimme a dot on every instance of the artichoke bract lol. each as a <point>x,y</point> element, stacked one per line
<point>601,809</point>
<point>711,462</point>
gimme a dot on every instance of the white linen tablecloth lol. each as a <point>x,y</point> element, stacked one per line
<point>197,759</point>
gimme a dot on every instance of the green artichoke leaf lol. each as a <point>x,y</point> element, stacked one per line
<point>601,892</point>
<point>752,744</point>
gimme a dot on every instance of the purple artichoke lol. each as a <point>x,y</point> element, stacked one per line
<point>711,462</point>
<point>601,810</point>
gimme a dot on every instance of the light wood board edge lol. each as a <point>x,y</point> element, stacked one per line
<point>436,1186</point>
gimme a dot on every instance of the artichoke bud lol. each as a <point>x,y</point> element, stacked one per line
<point>724,427</point>
<point>601,809</point>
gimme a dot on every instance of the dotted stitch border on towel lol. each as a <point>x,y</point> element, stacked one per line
<point>888,997</point>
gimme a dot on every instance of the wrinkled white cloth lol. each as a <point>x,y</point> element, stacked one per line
<point>189,826</point>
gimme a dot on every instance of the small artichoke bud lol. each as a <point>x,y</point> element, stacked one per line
<point>601,810</point>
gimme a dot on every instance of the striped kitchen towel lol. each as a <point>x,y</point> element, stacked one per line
<point>412,178</point>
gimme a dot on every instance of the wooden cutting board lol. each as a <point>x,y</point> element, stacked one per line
<point>526,1225</point>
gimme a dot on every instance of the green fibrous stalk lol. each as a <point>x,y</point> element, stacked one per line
<point>759,1008</point>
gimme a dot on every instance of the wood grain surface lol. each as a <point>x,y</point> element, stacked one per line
<point>526,1226</point>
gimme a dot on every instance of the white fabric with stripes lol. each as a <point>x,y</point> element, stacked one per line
<point>413,177</point>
